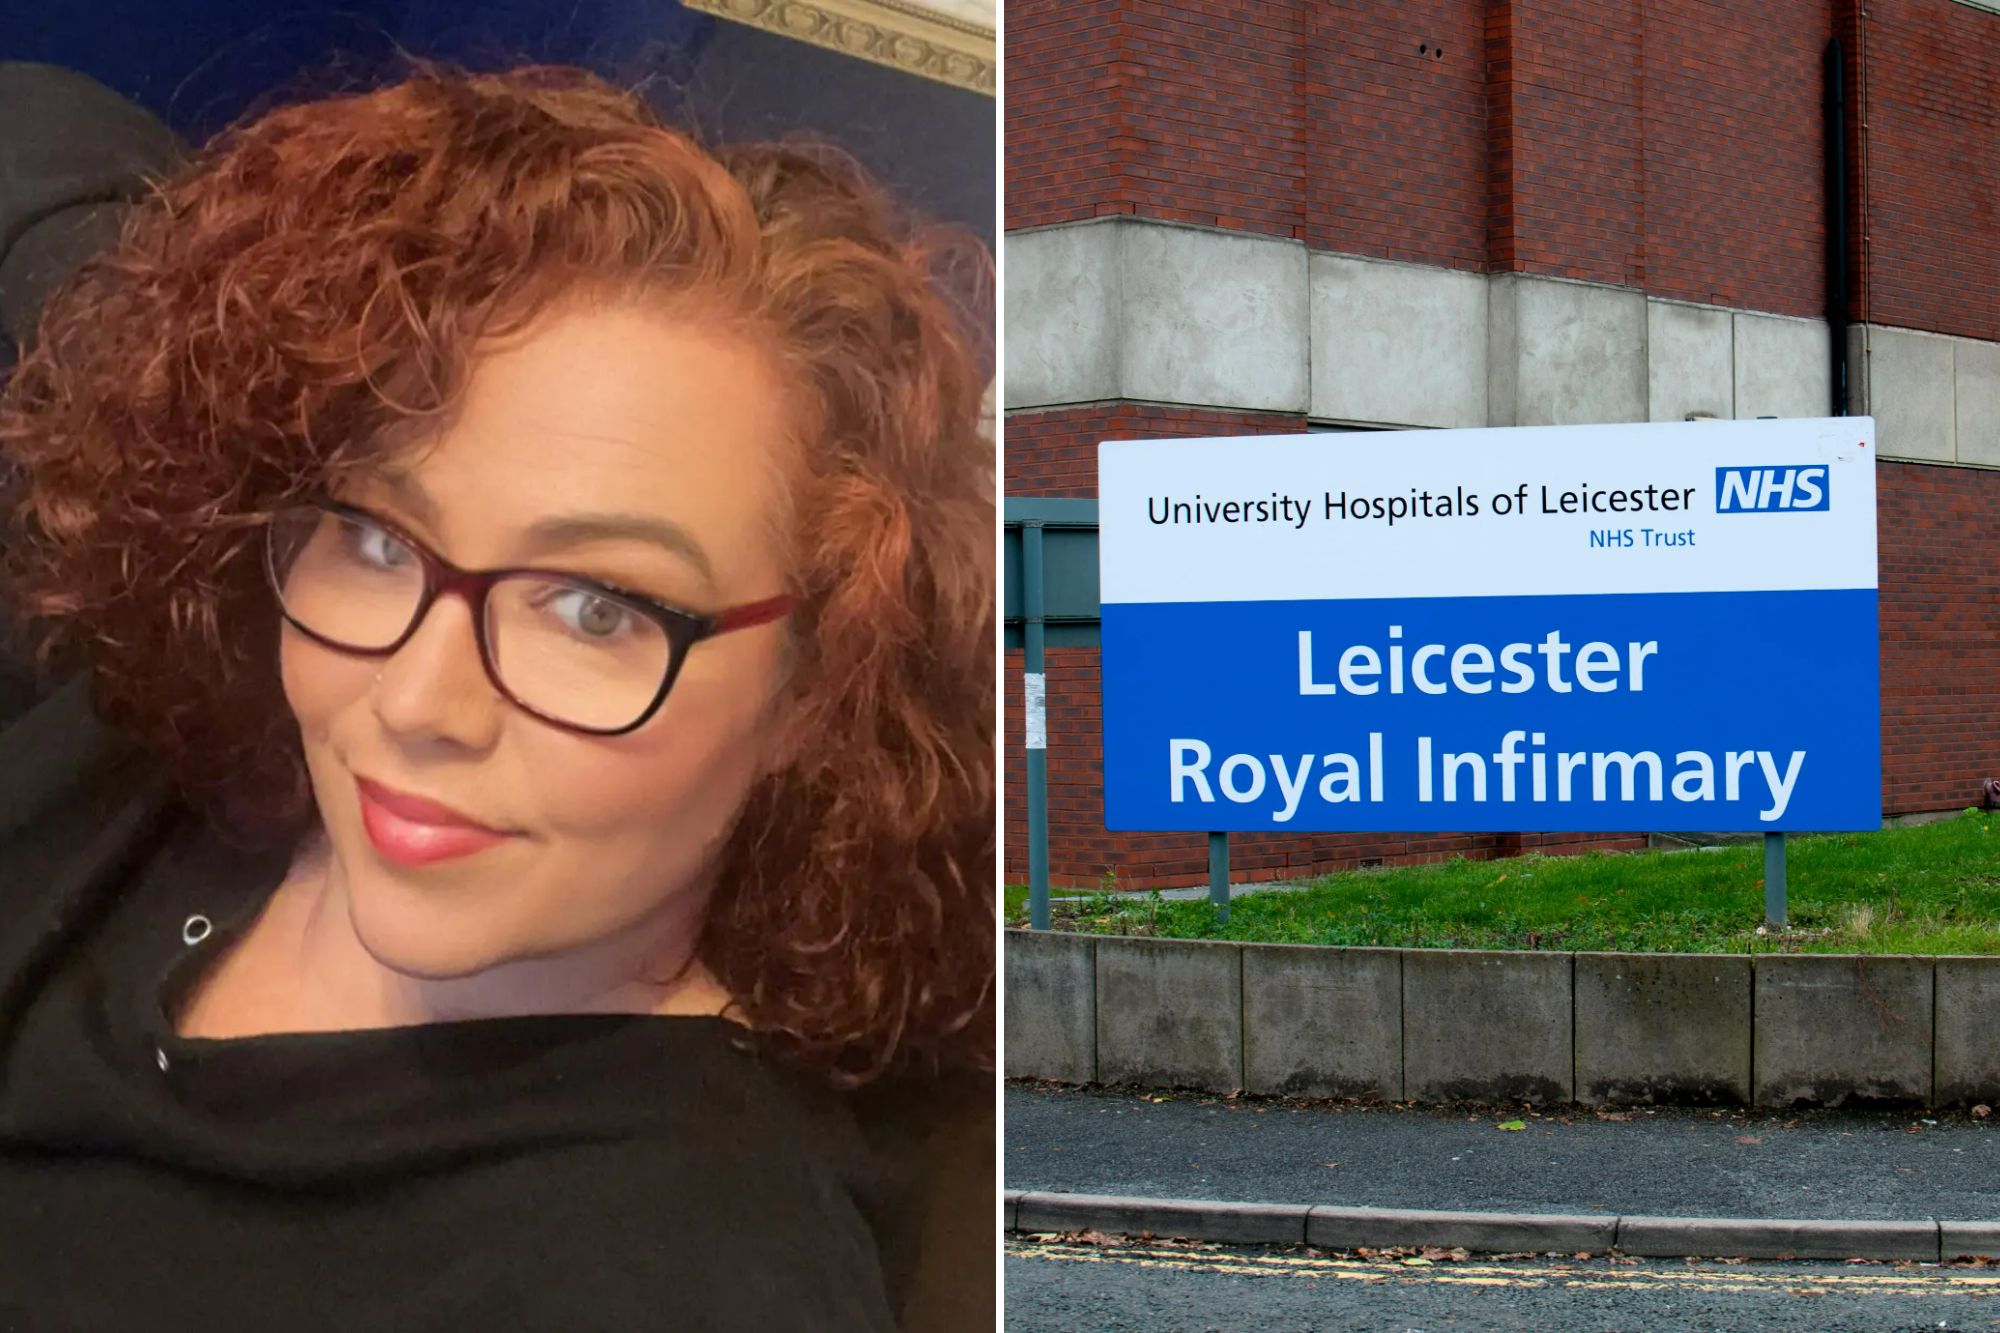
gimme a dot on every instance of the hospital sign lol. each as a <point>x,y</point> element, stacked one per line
<point>1580,628</point>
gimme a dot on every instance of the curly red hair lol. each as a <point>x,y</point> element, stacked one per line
<point>320,276</point>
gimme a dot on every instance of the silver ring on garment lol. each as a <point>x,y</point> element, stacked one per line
<point>196,930</point>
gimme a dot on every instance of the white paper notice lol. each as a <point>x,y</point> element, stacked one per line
<point>1036,699</point>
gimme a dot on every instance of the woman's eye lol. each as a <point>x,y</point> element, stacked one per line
<point>589,615</point>
<point>376,547</point>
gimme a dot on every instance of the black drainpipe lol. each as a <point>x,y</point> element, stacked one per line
<point>1836,225</point>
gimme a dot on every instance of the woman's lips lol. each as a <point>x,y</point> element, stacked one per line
<point>413,831</point>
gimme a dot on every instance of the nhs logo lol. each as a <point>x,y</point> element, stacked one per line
<point>1745,490</point>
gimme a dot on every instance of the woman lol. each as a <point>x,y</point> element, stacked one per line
<point>535,580</point>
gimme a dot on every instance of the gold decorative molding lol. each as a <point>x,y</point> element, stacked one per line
<point>900,35</point>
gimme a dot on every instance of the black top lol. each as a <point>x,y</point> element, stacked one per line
<point>570,1172</point>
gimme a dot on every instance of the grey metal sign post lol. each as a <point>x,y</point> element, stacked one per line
<point>1218,873</point>
<point>1034,694</point>
<point>1774,879</point>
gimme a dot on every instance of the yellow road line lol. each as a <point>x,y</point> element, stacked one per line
<point>1929,1282</point>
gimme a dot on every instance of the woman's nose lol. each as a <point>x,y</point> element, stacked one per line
<point>435,687</point>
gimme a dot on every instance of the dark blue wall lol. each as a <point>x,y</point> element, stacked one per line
<point>199,64</point>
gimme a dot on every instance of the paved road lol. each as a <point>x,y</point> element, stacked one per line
<point>1675,1162</point>
<point>1056,1287</point>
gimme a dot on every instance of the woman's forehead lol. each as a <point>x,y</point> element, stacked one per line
<point>602,423</point>
<point>627,378</point>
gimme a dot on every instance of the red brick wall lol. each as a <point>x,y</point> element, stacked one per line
<point>1395,105</point>
<point>1674,145</point>
<point>1572,83</point>
<point>1734,210</point>
<point>1212,112</point>
<point>1062,111</point>
<point>1183,111</point>
<point>1939,534</point>
<point>1932,178</point>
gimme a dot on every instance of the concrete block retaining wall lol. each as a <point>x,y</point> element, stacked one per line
<point>1323,1022</point>
<point>1440,1025</point>
<point>1488,1024</point>
<point>1663,1028</point>
<point>1170,1011</point>
<point>1051,1006</point>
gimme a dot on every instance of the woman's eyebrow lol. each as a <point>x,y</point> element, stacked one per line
<point>577,529</point>
<point>408,491</point>
<point>568,529</point>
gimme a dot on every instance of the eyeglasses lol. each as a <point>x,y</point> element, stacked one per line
<point>572,651</point>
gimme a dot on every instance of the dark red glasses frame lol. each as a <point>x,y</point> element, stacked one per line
<point>684,629</point>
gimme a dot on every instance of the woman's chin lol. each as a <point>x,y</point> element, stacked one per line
<point>414,938</point>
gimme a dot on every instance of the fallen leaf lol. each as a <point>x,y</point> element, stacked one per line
<point>1982,1110</point>
<point>1416,1261</point>
<point>1511,1124</point>
<point>1748,1138</point>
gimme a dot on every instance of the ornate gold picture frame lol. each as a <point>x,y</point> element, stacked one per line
<point>934,41</point>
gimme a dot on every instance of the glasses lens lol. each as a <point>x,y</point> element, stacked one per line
<point>575,653</point>
<point>350,581</point>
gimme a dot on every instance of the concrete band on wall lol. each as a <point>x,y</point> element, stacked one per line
<point>1445,1025</point>
<point>1125,308</point>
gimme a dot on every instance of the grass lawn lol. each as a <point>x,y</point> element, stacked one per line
<point>1928,889</point>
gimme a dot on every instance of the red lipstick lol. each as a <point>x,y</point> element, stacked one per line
<point>413,831</point>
